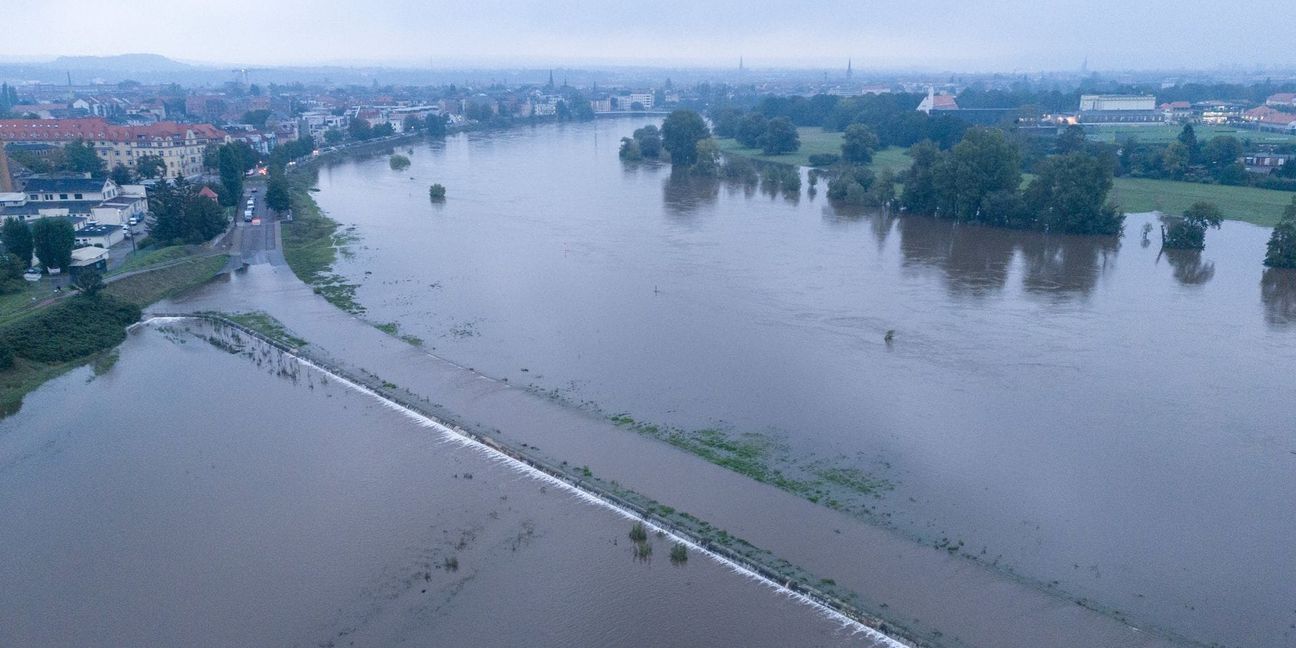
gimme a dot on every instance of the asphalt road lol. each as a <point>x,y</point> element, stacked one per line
<point>257,241</point>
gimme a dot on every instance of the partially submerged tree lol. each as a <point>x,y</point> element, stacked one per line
<point>1281,251</point>
<point>1069,194</point>
<point>1188,232</point>
<point>680,134</point>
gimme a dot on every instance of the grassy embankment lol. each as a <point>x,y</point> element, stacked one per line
<point>1249,204</point>
<point>268,326</point>
<point>311,243</point>
<point>145,258</point>
<point>45,342</point>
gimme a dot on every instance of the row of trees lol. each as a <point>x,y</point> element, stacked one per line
<point>645,143</point>
<point>51,239</point>
<point>1218,160</point>
<point>753,130</point>
<point>180,215</point>
<point>979,180</point>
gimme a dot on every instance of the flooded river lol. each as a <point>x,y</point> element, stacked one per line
<point>1089,414</point>
<point>192,496</point>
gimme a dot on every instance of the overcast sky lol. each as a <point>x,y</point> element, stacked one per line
<point>965,35</point>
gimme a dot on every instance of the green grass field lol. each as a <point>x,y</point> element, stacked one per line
<point>1164,133</point>
<point>813,141</point>
<point>1259,206</point>
<point>145,258</point>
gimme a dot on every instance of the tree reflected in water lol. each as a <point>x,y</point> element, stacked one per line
<point>975,260</point>
<point>683,193</point>
<point>1063,266</point>
<point>1278,292</point>
<point>1189,268</point>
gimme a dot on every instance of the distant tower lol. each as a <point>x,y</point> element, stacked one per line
<point>6,180</point>
<point>551,85</point>
<point>1084,67</point>
<point>740,65</point>
<point>848,68</point>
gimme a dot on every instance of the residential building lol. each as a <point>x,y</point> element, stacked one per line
<point>1178,111</point>
<point>75,196</point>
<point>1282,99</point>
<point>1271,119</point>
<point>180,146</point>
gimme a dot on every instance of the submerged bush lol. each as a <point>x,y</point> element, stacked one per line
<point>437,192</point>
<point>638,533</point>
<point>398,162</point>
<point>642,550</point>
<point>679,553</point>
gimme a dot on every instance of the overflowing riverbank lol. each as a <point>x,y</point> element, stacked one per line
<point>755,330</point>
<point>352,520</point>
<point>72,330</point>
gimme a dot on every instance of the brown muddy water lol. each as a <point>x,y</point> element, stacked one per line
<point>1089,414</point>
<point>193,496</point>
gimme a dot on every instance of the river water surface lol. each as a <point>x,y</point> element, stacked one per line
<point>193,497</point>
<point>1087,413</point>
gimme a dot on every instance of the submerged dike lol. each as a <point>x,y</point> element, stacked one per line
<point>591,490</point>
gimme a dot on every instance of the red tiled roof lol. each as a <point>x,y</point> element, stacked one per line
<point>944,102</point>
<point>1267,115</point>
<point>95,129</point>
<point>1283,97</point>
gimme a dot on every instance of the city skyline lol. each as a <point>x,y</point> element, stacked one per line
<point>1011,36</point>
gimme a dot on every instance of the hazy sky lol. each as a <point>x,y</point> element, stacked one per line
<point>966,35</point>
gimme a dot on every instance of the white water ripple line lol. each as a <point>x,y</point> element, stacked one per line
<point>457,436</point>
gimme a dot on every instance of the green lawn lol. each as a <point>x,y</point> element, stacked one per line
<point>145,258</point>
<point>816,140</point>
<point>1164,133</point>
<point>895,158</point>
<point>16,305</point>
<point>813,140</point>
<point>1259,206</point>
